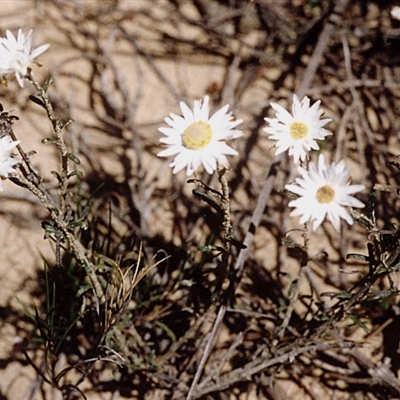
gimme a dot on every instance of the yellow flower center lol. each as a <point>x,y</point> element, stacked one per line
<point>197,135</point>
<point>325,194</point>
<point>298,130</point>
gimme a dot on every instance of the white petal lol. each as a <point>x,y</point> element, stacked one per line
<point>41,49</point>
<point>214,151</point>
<point>307,205</point>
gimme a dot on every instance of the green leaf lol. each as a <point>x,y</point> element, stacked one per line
<point>386,301</point>
<point>47,83</point>
<point>340,295</point>
<point>76,173</point>
<point>31,153</point>
<point>48,227</point>
<point>282,304</point>
<point>28,313</point>
<point>187,283</point>
<point>76,224</point>
<point>74,158</point>
<point>359,323</point>
<point>209,248</point>
<point>167,330</point>
<point>49,141</point>
<point>65,334</point>
<point>57,175</point>
<point>83,289</point>
<point>209,200</point>
<point>292,287</point>
<point>321,317</point>
<point>237,244</point>
<point>396,267</point>
<point>358,257</point>
<point>37,101</point>
<point>204,186</point>
<point>343,295</point>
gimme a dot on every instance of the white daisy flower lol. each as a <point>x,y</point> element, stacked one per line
<point>6,162</point>
<point>299,131</point>
<point>324,191</point>
<point>16,54</point>
<point>198,139</point>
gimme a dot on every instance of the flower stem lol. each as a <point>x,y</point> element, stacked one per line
<point>225,206</point>
<point>227,229</point>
